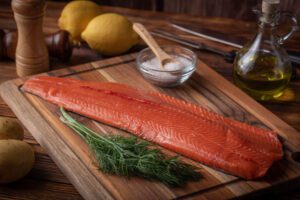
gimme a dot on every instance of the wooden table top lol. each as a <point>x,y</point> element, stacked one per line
<point>46,181</point>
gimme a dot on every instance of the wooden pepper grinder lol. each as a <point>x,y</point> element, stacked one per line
<point>31,53</point>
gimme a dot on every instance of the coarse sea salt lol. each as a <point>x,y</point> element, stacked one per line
<point>171,71</point>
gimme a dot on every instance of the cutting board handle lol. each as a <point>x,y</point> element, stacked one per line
<point>31,52</point>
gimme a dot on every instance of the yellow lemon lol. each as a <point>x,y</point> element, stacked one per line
<point>76,15</point>
<point>110,34</point>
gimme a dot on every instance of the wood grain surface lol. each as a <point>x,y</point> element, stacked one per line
<point>241,9</point>
<point>205,88</point>
<point>47,182</point>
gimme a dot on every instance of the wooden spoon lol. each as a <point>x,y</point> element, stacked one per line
<point>161,55</point>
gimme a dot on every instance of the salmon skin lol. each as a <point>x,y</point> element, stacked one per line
<point>222,143</point>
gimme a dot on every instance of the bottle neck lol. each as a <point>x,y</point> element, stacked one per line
<point>267,30</point>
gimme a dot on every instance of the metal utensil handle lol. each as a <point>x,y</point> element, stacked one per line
<point>180,40</point>
<point>295,27</point>
<point>174,38</point>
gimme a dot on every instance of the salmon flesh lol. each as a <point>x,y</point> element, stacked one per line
<point>219,142</point>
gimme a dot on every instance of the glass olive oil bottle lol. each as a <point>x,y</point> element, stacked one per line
<point>262,67</point>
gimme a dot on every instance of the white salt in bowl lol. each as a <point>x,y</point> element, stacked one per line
<point>172,74</point>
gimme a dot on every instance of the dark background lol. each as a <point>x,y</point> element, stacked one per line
<point>240,9</point>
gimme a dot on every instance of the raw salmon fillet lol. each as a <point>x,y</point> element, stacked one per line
<point>219,142</point>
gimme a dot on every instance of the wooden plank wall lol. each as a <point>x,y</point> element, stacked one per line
<point>240,9</point>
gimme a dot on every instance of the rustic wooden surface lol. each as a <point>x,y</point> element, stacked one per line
<point>46,181</point>
<point>206,88</point>
<point>241,9</point>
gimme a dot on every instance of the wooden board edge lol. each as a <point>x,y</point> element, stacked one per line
<point>237,97</point>
<point>99,64</point>
<point>252,106</point>
<point>68,158</point>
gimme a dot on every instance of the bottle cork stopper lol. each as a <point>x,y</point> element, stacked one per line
<point>269,8</point>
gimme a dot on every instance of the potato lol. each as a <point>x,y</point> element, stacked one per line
<point>16,160</point>
<point>10,129</point>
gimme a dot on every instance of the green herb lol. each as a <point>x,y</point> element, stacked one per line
<point>127,156</point>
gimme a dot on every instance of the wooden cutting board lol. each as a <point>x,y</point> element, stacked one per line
<point>206,88</point>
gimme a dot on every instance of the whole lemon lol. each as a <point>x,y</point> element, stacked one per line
<point>76,15</point>
<point>110,34</point>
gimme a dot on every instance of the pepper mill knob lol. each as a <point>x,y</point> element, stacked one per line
<point>31,53</point>
<point>2,45</point>
<point>8,44</point>
<point>59,45</point>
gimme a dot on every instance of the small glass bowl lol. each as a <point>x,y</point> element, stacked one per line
<point>167,78</point>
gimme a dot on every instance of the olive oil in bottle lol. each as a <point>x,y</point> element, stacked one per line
<point>262,67</point>
<point>264,79</point>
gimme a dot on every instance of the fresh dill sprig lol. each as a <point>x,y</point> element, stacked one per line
<point>127,156</point>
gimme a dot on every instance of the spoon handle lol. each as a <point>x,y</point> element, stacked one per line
<point>146,36</point>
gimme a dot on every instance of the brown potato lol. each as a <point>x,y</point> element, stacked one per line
<point>10,129</point>
<point>16,160</point>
